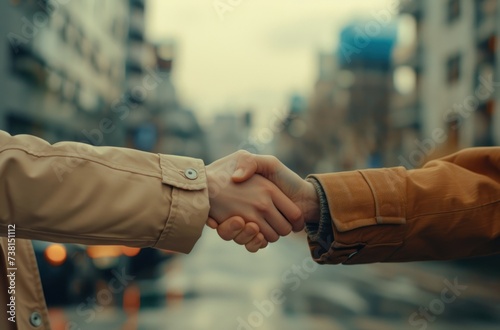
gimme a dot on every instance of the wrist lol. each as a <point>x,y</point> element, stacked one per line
<point>213,190</point>
<point>311,207</point>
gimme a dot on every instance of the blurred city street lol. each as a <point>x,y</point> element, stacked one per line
<point>220,287</point>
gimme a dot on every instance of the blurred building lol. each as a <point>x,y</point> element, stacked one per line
<point>228,133</point>
<point>62,66</point>
<point>165,97</point>
<point>325,114</point>
<point>345,124</point>
<point>496,115</point>
<point>176,128</point>
<point>365,55</point>
<point>454,58</point>
<point>295,143</point>
<point>141,83</point>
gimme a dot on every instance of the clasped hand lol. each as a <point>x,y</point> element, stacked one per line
<point>256,199</point>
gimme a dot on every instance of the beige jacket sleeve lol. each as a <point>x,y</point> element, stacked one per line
<point>449,209</point>
<point>75,193</point>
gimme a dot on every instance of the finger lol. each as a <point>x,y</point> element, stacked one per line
<point>288,209</point>
<point>278,222</point>
<point>265,228</point>
<point>264,243</point>
<point>270,167</point>
<point>212,223</point>
<point>275,219</point>
<point>256,243</point>
<point>246,166</point>
<point>230,228</point>
<point>249,233</point>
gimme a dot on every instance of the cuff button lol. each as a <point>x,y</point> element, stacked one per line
<point>36,319</point>
<point>191,174</point>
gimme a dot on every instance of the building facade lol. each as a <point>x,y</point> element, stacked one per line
<point>177,128</point>
<point>455,61</point>
<point>62,67</point>
<point>346,120</point>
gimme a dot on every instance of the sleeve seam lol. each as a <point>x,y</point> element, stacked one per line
<point>169,221</point>
<point>455,211</point>
<point>372,190</point>
<point>89,159</point>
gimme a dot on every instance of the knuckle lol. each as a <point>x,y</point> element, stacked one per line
<point>225,235</point>
<point>243,154</point>
<point>295,216</point>
<point>250,230</point>
<point>272,160</point>
<point>268,186</point>
<point>262,206</point>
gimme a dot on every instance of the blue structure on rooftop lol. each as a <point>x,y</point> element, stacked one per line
<point>367,42</point>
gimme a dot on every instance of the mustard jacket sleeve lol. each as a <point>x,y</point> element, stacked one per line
<point>75,193</point>
<point>448,209</point>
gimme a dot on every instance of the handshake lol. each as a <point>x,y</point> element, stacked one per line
<point>255,199</point>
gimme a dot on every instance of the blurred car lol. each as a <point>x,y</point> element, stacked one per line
<point>67,274</point>
<point>110,260</point>
<point>140,264</point>
<point>147,268</point>
<point>146,264</point>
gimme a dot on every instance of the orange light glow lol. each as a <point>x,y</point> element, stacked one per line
<point>130,251</point>
<point>103,251</point>
<point>55,254</point>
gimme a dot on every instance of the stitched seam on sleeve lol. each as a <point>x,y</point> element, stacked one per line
<point>169,221</point>
<point>456,211</point>
<point>377,210</point>
<point>397,181</point>
<point>90,159</point>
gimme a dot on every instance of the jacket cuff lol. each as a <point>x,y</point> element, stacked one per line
<point>368,213</point>
<point>320,234</point>
<point>189,202</point>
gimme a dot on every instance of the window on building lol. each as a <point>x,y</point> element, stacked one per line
<point>453,69</point>
<point>453,10</point>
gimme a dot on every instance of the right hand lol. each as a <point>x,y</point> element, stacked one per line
<point>301,192</point>
<point>256,200</point>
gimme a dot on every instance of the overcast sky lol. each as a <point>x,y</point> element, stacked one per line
<point>252,55</point>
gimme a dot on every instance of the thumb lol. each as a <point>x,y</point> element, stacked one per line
<point>245,168</point>
<point>212,223</point>
<point>248,164</point>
